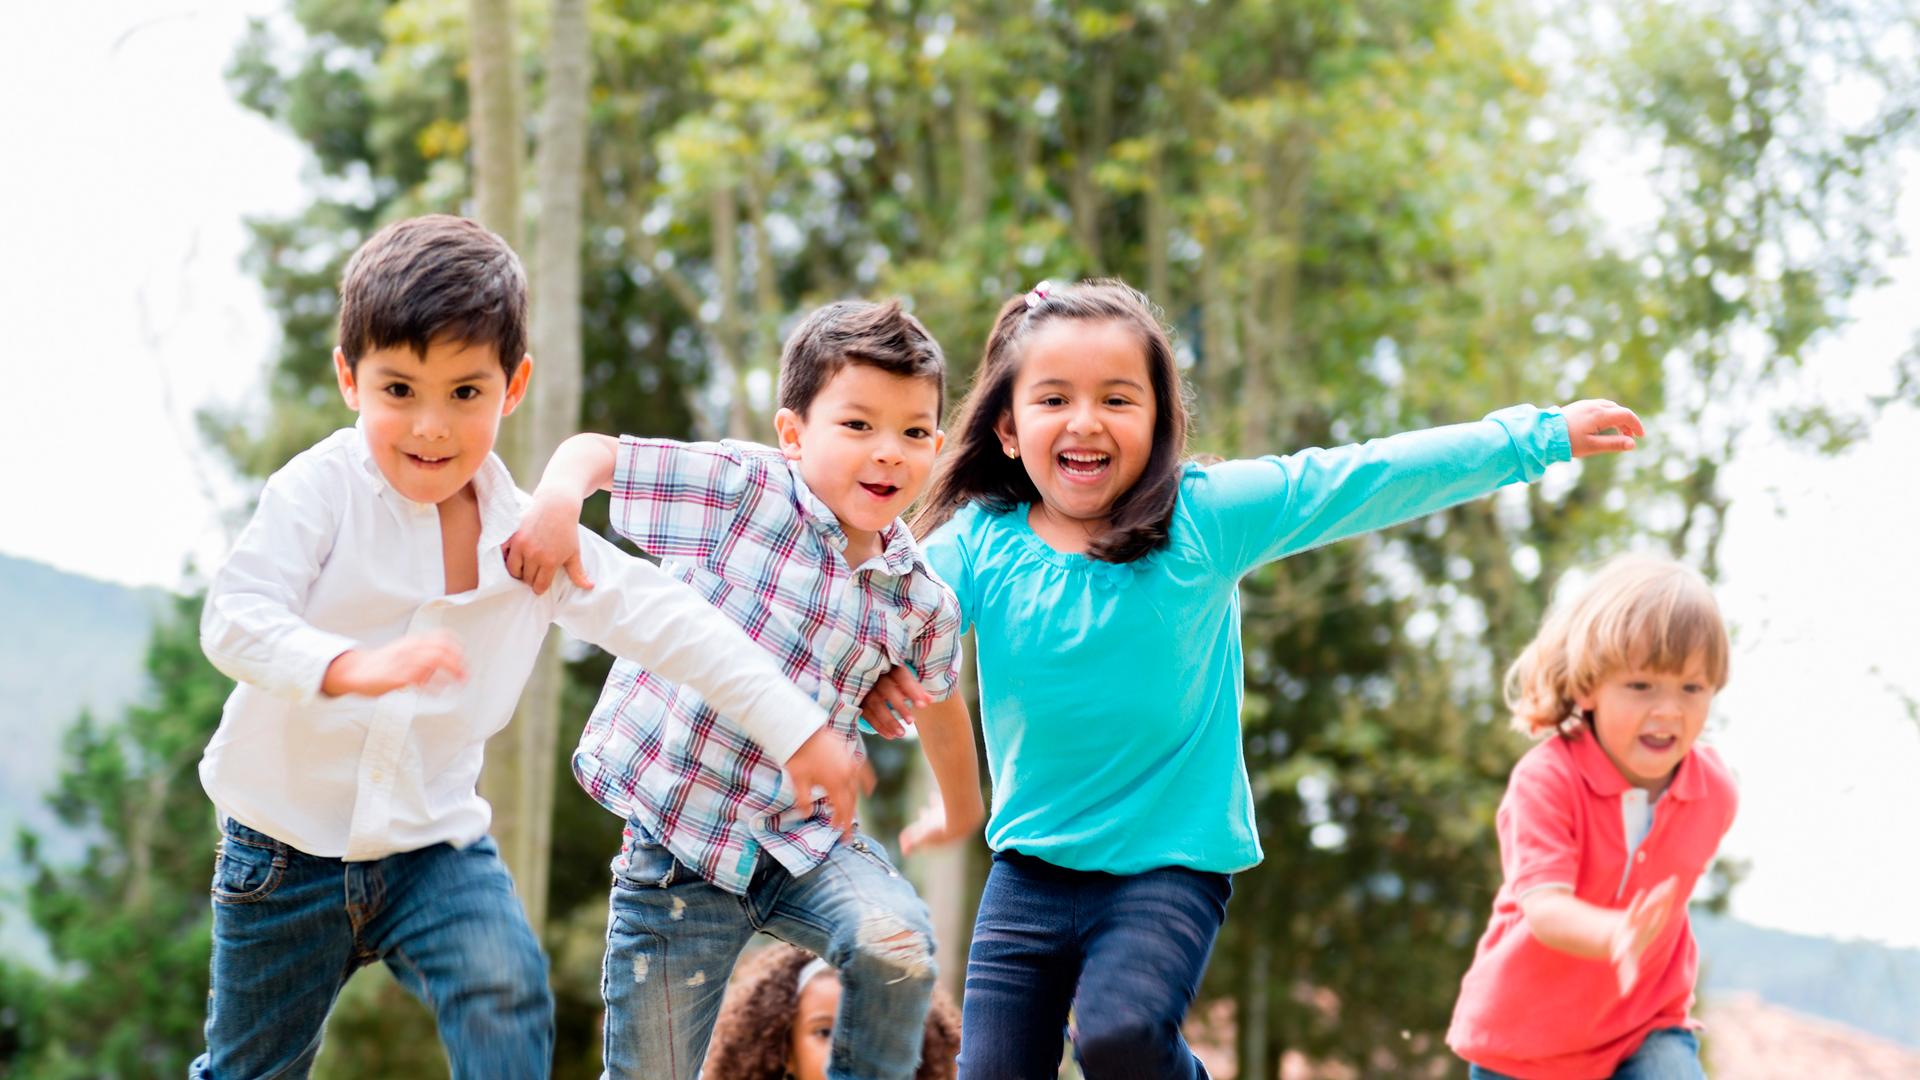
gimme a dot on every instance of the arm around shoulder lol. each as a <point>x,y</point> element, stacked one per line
<point>640,613</point>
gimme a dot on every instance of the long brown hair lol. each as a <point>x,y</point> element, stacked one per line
<point>754,1034</point>
<point>976,469</point>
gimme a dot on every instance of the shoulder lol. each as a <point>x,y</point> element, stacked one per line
<point>324,467</point>
<point>655,467</point>
<point>1722,787</point>
<point>1550,766</point>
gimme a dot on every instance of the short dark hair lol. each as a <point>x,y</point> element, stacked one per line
<point>425,278</point>
<point>974,468</point>
<point>858,332</point>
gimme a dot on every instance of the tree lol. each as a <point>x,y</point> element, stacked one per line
<point>1359,219</point>
<point>129,926</point>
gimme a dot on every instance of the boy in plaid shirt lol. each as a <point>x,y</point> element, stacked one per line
<point>803,547</point>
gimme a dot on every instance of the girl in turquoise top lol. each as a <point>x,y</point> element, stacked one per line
<point>1100,571</point>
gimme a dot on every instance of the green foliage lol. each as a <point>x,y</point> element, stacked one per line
<point>129,925</point>
<point>1360,218</point>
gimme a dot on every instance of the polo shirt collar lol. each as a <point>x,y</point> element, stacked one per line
<point>897,550</point>
<point>1604,778</point>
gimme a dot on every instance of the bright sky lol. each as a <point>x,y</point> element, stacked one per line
<point>131,169</point>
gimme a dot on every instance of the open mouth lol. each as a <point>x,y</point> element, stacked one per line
<point>1083,464</point>
<point>1659,744</point>
<point>881,491</point>
<point>427,461</point>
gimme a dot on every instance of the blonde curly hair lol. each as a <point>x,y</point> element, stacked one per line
<point>1639,610</point>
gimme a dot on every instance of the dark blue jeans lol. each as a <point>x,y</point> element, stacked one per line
<point>1126,952</point>
<point>1667,1054</point>
<point>289,929</point>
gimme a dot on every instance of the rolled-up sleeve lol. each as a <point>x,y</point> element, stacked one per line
<point>252,627</point>
<point>638,612</point>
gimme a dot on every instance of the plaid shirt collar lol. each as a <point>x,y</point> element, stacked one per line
<point>898,551</point>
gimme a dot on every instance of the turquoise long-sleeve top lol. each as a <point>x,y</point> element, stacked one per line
<point>1110,693</point>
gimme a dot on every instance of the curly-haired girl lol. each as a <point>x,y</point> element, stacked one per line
<point>777,1022</point>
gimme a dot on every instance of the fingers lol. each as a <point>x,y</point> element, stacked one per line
<point>515,563</point>
<point>909,685</point>
<point>578,572</point>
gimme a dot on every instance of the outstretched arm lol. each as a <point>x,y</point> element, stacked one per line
<point>1252,512</point>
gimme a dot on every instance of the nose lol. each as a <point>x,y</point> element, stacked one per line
<point>430,423</point>
<point>1085,419</point>
<point>888,451</point>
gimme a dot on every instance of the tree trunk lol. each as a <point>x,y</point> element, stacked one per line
<point>1159,223</point>
<point>728,334</point>
<point>493,84</point>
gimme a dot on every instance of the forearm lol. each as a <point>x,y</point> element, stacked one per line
<point>1563,922</point>
<point>946,736</point>
<point>581,466</point>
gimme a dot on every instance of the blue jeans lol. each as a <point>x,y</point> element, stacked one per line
<point>289,929</point>
<point>1126,952</point>
<point>1668,1054</point>
<point>673,938</point>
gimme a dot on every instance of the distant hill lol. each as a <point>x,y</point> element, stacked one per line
<point>67,643</point>
<point>1859,983</point>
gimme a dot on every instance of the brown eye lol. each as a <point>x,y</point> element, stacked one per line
<point>466,393</point>
<point>399,390</point>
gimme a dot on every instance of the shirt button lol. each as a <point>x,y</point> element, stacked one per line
<point>1640,857</point>
<point>378,776</point>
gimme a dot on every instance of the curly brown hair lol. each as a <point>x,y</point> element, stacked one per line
<point>754,1034</point>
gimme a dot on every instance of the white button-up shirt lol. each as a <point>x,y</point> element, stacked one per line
<point>336,559</point>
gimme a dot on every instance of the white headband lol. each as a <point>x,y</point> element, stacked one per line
<point>814,967</point>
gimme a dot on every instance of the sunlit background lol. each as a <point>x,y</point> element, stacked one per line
<point>130,170</point>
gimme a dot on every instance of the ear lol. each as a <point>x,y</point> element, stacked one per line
<point>788,426</point>
<point>1003,427</point>
<point>1586,702</point>
<point>342,374</point>
<point>939,441</point>
<point>517,386</point>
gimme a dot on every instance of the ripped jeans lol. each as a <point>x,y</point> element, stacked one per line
<point>673,938</point>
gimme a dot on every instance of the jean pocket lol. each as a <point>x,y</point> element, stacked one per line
<point>874,854</point>
<point>643,864</point>
<point>245,870</point>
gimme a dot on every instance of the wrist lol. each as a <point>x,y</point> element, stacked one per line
<point>341,674</point>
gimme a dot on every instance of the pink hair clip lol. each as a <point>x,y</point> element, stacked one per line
<point>1038,294</point>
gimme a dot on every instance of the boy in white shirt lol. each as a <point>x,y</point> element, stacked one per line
<point>378,640</point>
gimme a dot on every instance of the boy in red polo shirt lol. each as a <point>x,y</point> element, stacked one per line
<point>1586,970</point>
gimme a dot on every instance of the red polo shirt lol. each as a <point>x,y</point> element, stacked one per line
<point>1535,1013</point>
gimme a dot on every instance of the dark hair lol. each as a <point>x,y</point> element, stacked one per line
<point>975,468</point>
<point>754,1034</point>
<point>422,279</point>
<point>857,332</point>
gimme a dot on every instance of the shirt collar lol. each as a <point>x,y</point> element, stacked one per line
<point>897,550</point>
<point>1605,779</point>
<point>501,502</point>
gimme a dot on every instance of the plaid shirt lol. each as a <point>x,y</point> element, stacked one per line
<point>736,522</point>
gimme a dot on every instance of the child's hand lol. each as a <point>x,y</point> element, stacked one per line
<point>823,768</point>
<point>548,540</point>
<point>933,828</point>
<point>1640,924</point>
<point>899,689</point>
<point>1586,420</point>
<point>434,661</point>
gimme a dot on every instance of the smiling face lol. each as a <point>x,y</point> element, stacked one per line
<point>866,448</point>
<point>430,422</point>
<point>813,1027</point>
<point>1646,721</point>
<point>1081,418</point>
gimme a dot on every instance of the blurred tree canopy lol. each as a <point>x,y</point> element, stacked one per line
<point>1358,217</point>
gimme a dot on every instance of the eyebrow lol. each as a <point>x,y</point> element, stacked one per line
<point>382,371</point>
<point>1103,382</point>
